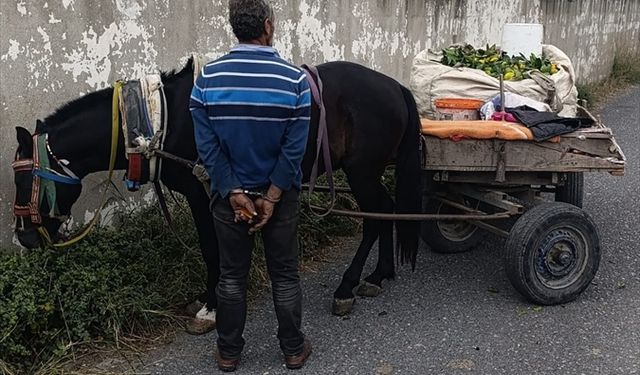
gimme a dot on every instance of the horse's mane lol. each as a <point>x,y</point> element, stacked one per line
<point>67,110</point>
<point>188,68</point>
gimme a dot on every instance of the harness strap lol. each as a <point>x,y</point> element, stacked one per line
<point>24,165</point>
<point>322,141</point>
<point>164,116</point>
<point>51,176</point>
<point>21,211</point>
<point>165,212</point>
<point>34,203</point>
<point>47,185</point>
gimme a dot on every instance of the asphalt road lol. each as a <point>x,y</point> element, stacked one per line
<point>458,314</point>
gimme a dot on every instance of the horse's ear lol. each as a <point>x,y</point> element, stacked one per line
<point>191,64</point>
<point>24,140</point>
<point>39,126</point>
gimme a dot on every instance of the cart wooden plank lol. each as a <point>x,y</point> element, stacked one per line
<point>586,150</point>
<point>572,154</point>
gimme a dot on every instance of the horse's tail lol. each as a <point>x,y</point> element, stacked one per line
<point>408,183</point>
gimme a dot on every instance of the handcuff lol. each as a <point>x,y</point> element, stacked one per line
<point>255,194</point>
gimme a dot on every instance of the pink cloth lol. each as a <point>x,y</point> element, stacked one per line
<point>503,116</point>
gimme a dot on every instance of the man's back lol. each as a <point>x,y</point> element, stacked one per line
<point>253,98</point>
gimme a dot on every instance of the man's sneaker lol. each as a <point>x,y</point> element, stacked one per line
<point>204,322</point>
<point>295,362</point>
<point>226,365</point>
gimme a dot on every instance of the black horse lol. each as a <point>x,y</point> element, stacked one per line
<point>372,121</point>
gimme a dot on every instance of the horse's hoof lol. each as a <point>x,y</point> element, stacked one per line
<point>192,309</point>
<point>204,322</point>
<point>367,289</point>
<point>342,307</point>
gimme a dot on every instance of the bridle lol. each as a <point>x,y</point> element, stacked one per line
<point>44,179</point>
<point>43,184</point>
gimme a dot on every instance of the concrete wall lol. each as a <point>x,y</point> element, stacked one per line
<point>52,51</point>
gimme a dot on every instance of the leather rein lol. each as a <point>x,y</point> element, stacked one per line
<point>322,144</point>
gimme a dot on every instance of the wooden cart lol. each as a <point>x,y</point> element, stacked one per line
<point>552,252</point>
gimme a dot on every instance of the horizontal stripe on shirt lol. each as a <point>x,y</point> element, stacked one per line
<point>254,89</point>
<point>254,75</point>
<point>263,105</point>
<point>249,118</point>
<point>212,99</point>
<point>221,110</point>
<point>246,61</point>
<point>250,82</point>
<point>217,97</point>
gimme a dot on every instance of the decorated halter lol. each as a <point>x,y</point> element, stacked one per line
<point>43,187</point>
<point>44,179</point>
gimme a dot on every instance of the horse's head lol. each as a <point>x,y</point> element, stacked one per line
<point>39,179</point>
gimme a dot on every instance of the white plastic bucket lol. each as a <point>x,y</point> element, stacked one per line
<point>525,38</point>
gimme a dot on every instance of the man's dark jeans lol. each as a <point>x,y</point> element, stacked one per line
<point>281,251</point>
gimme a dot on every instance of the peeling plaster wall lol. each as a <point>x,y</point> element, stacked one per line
<point>52,51</point>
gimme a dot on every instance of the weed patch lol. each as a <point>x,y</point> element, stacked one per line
<point>119,284</point>
<point>625,71</point>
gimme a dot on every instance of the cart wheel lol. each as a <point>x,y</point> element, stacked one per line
<point>450,236</point>
<point>552,253</point>
<point>572,191</point>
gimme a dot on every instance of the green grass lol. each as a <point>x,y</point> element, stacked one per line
<point>120,286</point>
<point>625,71</point>
<point>119,282</point>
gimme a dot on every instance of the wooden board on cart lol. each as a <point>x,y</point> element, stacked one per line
<point>587,150</point>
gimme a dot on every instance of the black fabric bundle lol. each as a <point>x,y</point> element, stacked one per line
<point>545,125</point>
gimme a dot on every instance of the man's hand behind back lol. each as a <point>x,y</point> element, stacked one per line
<point>265,211</point>
<point>243,208</point>
<point>265,206</point>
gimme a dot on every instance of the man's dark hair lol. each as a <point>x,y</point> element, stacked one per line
<point>247,18</point>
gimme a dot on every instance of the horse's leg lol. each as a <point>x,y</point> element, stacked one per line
<point>371,196</point>
<point>372,284</point>
<point>343,298</point>
<point>199,204</point>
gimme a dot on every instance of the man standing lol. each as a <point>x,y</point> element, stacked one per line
<point>251,116</point>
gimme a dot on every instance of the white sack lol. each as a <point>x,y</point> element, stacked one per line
<point>431,80</point>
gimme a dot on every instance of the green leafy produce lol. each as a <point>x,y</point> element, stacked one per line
<point>495,62</point>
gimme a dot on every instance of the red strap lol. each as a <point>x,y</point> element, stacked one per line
<point>21,211</point>
<point>22,165</point>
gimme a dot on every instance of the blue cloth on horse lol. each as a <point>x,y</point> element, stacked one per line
<point>251,112</point>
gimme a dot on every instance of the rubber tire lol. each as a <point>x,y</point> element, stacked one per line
<point>432,236</point>
<point>572,191</point>
<point>524,240</point>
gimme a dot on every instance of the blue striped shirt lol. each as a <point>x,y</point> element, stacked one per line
<point>251,112</point>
